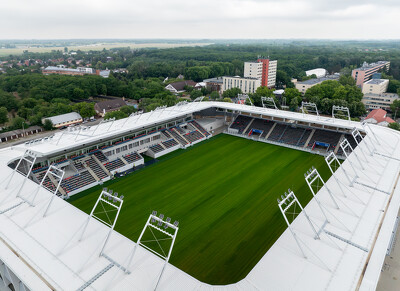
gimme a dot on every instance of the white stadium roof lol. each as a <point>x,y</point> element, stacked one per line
<point>45,252</point>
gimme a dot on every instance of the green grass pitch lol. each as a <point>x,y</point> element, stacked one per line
<point>223,193</point>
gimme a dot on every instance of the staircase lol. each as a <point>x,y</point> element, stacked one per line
<point>247,127</point>
<point>91,172</point>
<point>309,138</point>
<point>270,131</point>
<point>101,165</point>
<point>178,133</point>
<point>198,129</point>
<point>338,144</point>
<point>60,189</point>
<point>123,160</point>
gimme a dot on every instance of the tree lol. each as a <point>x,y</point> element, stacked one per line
<point>294,104</point>
<point>227,100</point>
<point>291,93</point>
<point>115,114</point>
<point>85,109</point>
<point>3,115</point>
<point>48,125</point>
<point>394,125</point>
<point>395,107</point>
<point>128,110</point>
<point>264,91</point>
<point>78,93</point>
<point>195,94</point>
<point>214,95</point>
<point>347,80</point>
<point>232,93</point>
<point>18,122</point>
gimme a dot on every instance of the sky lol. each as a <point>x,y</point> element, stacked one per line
<point>211,19</point>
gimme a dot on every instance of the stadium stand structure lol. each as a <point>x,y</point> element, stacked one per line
<point>97,167</point>
<point>289,134</point>
<point>50,252</point>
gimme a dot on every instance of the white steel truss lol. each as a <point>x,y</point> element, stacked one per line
<point>198,99</point>
<point>29,158</point>
<point>285,203</point>
<point>334,164</point>
<point>268,102</point>
<point>245,97</point>
<point>113,204</point>
<point>162,225</point>
<point>340,111</point>
<point>359,138</point>
<point>308,107</point>
<point>58,175</point>
<point>315,183</point>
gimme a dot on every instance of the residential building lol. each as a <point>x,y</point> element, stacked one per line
<point>179,87</point>
<point>103,107</point>
<point>320,72</point>
<point>305,85</point>
<point>64,119</point>
<point>247,85</point>
<point>14,134</point>
<point>263,69</point>
<point>214,84</point>
<point>80,71</point>
<point>378,116</point>
<point>376,101</point>
<point>364,73</point>
<point>375,86</point>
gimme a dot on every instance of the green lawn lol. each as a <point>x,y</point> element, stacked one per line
<point>223,193</point>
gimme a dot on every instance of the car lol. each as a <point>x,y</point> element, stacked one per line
<point>62,127</point>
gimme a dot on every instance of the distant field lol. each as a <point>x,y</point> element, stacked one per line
<point>96,47</point>
<point>223,192</point>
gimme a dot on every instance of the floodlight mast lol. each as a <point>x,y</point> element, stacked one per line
<point>25,157</point>
<point>284,205</point>
<point>357,135</point>
<point>366,124</point>
<point>60,177</point>
<point>316,199</point>
<point>149,223</point>
<point>49,171</point>
<point>344,144</point>
<point>245,97</point>
<point>198,99</point>
<point>268,102</point>
<point>344,109</point>
<point>118,207</point>
<point>330,159</point>
<point>312,106</point>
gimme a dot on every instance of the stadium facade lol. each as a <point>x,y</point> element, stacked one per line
<point>44,244</point>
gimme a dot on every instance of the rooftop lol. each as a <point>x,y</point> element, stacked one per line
<point>51,247</point>
<point>213,80</point>
<point>380,116</point>
<point>320,80</point>
<point>367,66</point>
<point>376,81</point>
<point>238,77</point>
<point>64,117</point>
<point>109,104</point>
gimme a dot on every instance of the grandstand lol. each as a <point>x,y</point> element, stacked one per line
<point>44,250</point>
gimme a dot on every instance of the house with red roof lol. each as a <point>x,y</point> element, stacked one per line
<point>378,116</point>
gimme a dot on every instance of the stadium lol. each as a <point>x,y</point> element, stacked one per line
<point>263,199</point>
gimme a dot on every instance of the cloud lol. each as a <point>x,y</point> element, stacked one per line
<point>200,19</point>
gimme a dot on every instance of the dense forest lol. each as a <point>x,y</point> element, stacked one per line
<point>27,95</point>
